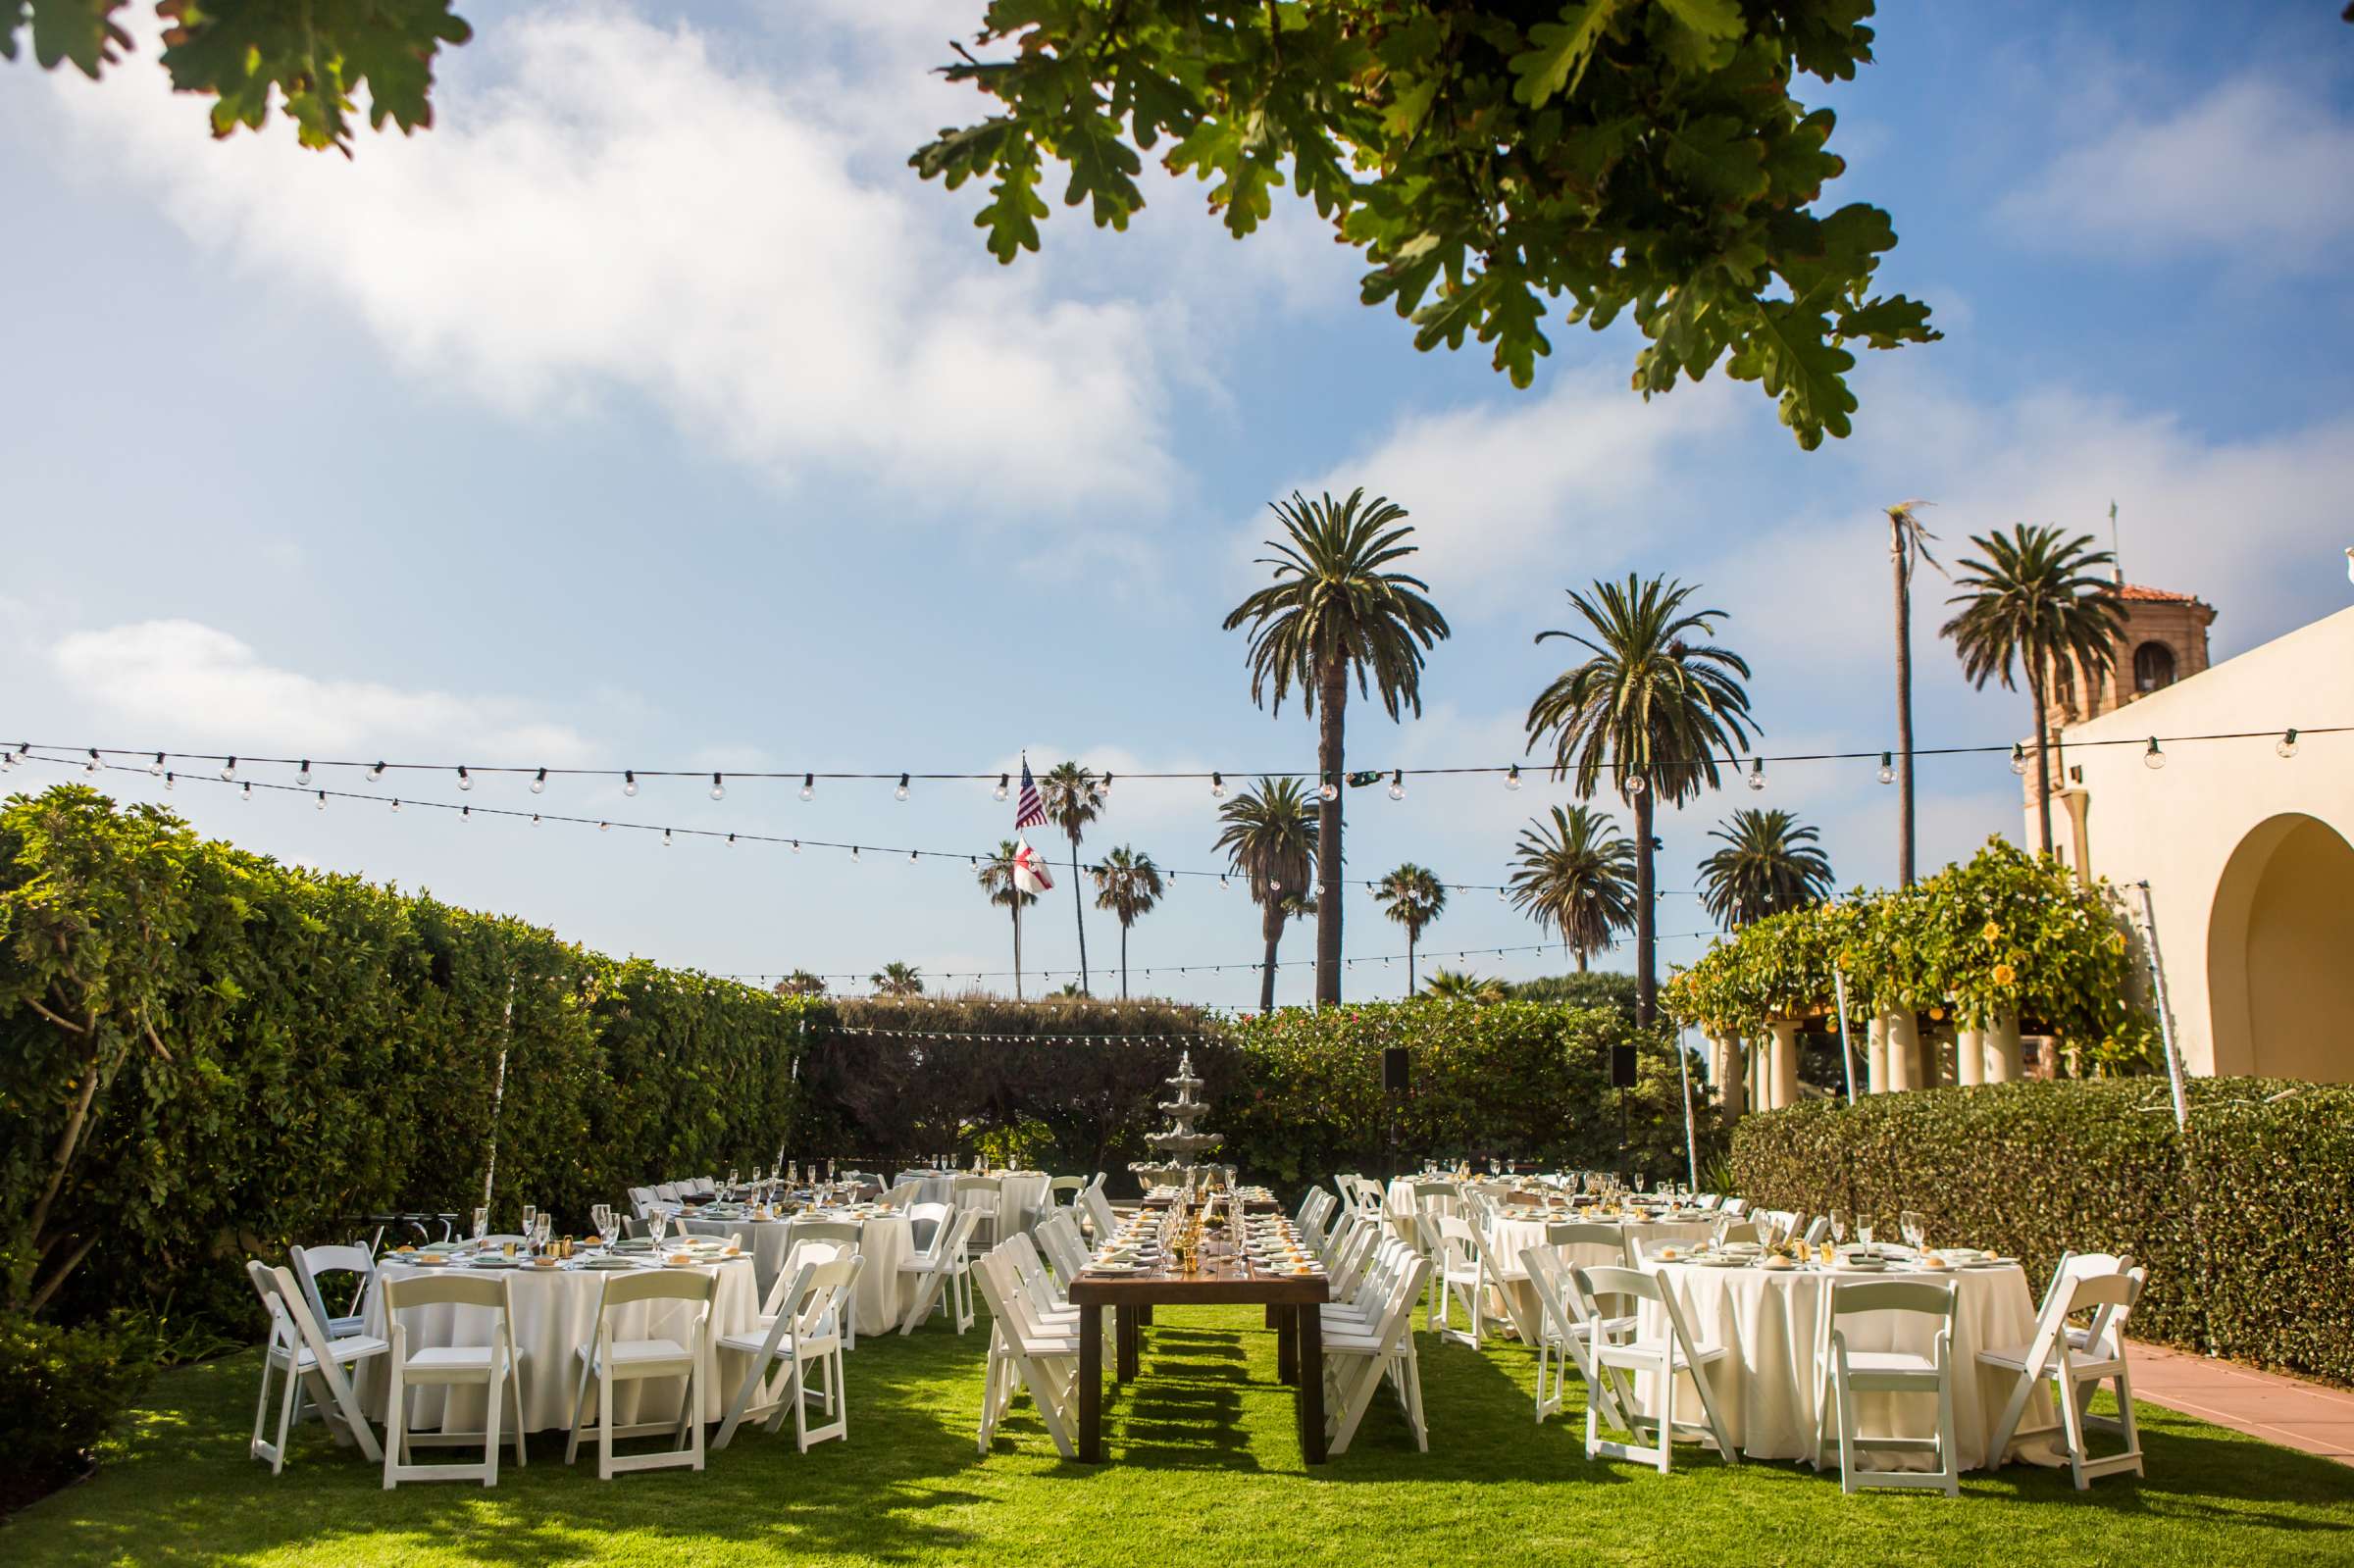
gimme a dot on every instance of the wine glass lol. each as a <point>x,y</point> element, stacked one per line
<point>1914,1228</point>
<point>656,1224</point>
<point>481,1222</point>
<point>600,1217</point>
<point>1864,1231</point>
<point>545,1225</point>
<point>1838,1226</point>
<point>531,1217</point>
<point>608,1224</point>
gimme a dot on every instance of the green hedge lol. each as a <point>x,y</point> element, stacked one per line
<point>2243,1222</point>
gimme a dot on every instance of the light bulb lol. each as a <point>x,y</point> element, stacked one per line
<point>808,785</point>
<point>1217,787</point>
<point>719,787</point>
<point>1887,767</point>
<point>731,840</point>
<point>629,782</point>
<point>854,854</point>
<point>322,806</point>
<point>1328,791</point>
<point>1398,785</point>
<point>666,838</point>
<point>1512,777</point>
<point>1222,885</point>
<point>396,803</point>
<point>375,774</point>
<point>2153,758</point>
<point>1274,886</point>
<point>534,818</point>
<point>796,847</point>
<point>1636,783</point>
<point>911,858</point>
<point>2018,758</point>
<point>604,827</point>
<point>465,778</point>
<point>1005,781</point>
<point>228,768</point>
<point>1104,786</point>
<point>1501,896</point>
<point>155,769</point>
<point>302,775</point>
<point>170,779</point>
<point>2286,745</point>
<point>91,766</point>
<point>539,781</point>
<point>8,762</point>
<point>900,794</point>
<point>1757,772</point>
<point>465,813</point>
<point>246,794</point>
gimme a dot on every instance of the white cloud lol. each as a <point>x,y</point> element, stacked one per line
<point>2256,170</point>
<point>179,680</point>
<point>622,213</point>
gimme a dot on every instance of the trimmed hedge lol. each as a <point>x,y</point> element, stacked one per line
<point>2242,1223</point>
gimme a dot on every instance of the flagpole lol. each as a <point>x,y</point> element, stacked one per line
<point>1016,890</point>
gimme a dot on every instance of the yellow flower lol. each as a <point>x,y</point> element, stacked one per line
<point>2004,974</point>
<point>1993,933</point>
<point>2117,942</point>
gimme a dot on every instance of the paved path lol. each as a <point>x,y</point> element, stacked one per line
<point>2309,1416</point>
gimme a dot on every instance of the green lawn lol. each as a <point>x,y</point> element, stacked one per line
<point>1207,1470</point>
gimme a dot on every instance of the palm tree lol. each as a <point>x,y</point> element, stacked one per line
<point>896,979</point>
<point>800,982</point>
<point>1577,876</point>
<point>1906,540</point>
<point>1072,800</point>
<point>1769,865</point>
<point>1412,897</point>
<point>1456,986</point>
<point>998,881</point>
<point>1128,885</point>
<point>2039,600</point>
<point>1332,609</point>
<point>1651,709</point>
<point>1271,837</point>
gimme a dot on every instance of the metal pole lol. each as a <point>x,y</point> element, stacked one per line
<point>1683,1070</point>
<point>2165,1011</point>
<point>1847,1052</point>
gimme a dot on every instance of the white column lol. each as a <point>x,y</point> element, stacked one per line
<point>1969,1055</point>
<point>1727,1069</point>
<point>1903,1050</point>
<point>1782,1066</point>
<point>2002,1048</point>
<point>1876,1055</point>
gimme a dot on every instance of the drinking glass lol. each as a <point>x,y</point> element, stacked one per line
<point>1910,1225</point>
<point>656,1223</point>
<point>601,1216</point>
<point>608,1227</point>
<point>1838,1225</point>
<point>545,1225</point>
<point>481,1222</point>
<point>530,1216</point>
<point>1864,1233</point>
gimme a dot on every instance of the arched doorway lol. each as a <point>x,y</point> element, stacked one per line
<point>2280,953</point>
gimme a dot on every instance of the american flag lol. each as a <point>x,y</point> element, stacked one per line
<point>1029,811</point>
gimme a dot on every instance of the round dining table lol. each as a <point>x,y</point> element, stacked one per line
<point>885,1241</point>
<point>1509,1237</point>
<point>1021,1195</point>
<point>552,1312</point>
<point>1776,1325</point>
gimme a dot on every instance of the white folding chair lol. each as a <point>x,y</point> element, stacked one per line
<point>1459,1273</point>
<point>1028,1352</point>
<point>1819,1229</point>
<point>982,1198</point>
<point>1058,1239</point>
<point>1848,1372</point>
<point>1064,1190</point>
<point>944,1274</point>
<point>1621,1358</point>
<point>606,1360</point>
<point>806,1330</point>
<point>315,1367</point>
<point>492,1366</point>
<point>312,1262</point>
<point>903,1195</point>
<point>2077,1373</point>
<point>641,1200</point>
<point>2075,1266</point>
<point>1566,1335</point>
<point>1101,1221</point>
<point>1356,1364</point>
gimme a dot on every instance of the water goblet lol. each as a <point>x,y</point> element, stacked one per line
<point>481,1222</point>
<point>601,1216</point>
<point>1864,1233</point>
<point>1838,1225</point>
<point>608,1227</point>
<point>531,1217</point>
<point>656,1224</point>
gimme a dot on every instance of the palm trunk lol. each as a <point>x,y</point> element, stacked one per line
<point>1270,926</point>
<point>1124,960</point>
<point>1581,960</point>
<point>1333,703</point>
<point>2043,752</point>
<point>1078,916</point>
<point>1646,970</point>
<point>1904,702</point>
<point>1410,960</point>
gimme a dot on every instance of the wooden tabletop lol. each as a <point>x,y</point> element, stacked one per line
<point>1221,1278</point>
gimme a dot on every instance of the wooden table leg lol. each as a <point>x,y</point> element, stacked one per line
<point>1127,1340</point>
<point>1312,1384</point>
<point>1091,1383</point>
<point>1287,1343</point>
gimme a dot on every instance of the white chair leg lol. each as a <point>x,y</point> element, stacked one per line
<point>580,1413</point>
<point>397,1430</point>
<point>490,1416</point>
<point>286,1418</point>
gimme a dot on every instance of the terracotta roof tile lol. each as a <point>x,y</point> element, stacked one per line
<point>2135,591</point>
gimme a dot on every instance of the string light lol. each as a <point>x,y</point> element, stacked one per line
<point>539,781</point>
<point>796,847</point>
<point>94,764</point>
<point>604,827</point>
<point>155,771</point>
<point>322,806</point>
<point>302,775</point>
<point>808,785</point>
<point>534,818</point>
<point>900,794</point>
<point>375,774</point>
<point>1005,781</point>
<point>731,837</point>
<point>666,838</point>
<point>719,787</point>
<point>170,779</point>
<point>464,815</point>
<point>396,804</point>
<point>911,858</point>
<point>1512,777</point>
<point>2018,759</point>
<point>1636,783</point>
<point>2286,745</point>
<point>465,778</point>
<point>228,768</point>
<point>2153,758</point>
<point>854,854</point>
<point>1328,789</point>
<point>246,794</point>
<point>1217,787</point>
<point>629,782</point>
<point>1757,772</point>
<point>1398,785</point>
<point>1887,767</point>
<point>1104,787</point>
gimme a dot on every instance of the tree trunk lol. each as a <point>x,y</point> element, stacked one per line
<point>1897,550</point>
<point>2043,753</point>
<point>1272,927</point>
<point>1647,968</point>
<point>1124,960</point>
<point>1332,708</point>
<point>1078,916</point>
<point>1409,961</point>
<point>1581,960</point>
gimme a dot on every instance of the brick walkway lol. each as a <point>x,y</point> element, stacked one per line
<point>2307,1416</point>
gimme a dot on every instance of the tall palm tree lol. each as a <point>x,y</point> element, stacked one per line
<point>896,979</point>
<point>1270,836</point>
<point>1457,986</point>
<point>1333,608</point>
<point>1769,865</point>
<point>1128,885</point>
<point>800,982</point>
<point>1412,897</point>
<point>1072,800</point>
<point>1652,710</point>
<point>998,881</point>
<point>2038,600</point>
<point>1907,541</point>
<point>1577,877</point>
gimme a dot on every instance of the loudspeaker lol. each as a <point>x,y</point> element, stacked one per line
<point>1394,1072</point>
<point>1622,1067</point>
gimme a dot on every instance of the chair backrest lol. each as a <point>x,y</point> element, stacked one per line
<point>822,1230</point>
<point>1066,1183</point>
<point>641,1199</point>
<point>655,1285</point>
<point>1100,1213</point>
<point>666,1191</point>
<point>310,1262</point>
<point>1606,1280</point>
<point>451,1288</point>
<point>2075,1266</point>
<point>920,1215</point>
<point>978,1185</point>
<point>1819,1231</point>
<point>1561,1307</point>
<point>1585,1233</point>
<point>1736,1205</point>
<point>2099,1293</point>
<point>1741,1231</point>
<point>1058,1237</point>
<point>293,1326</point>
<point>957,1234</point>
<point>1458,1241</point>
<point>1849,1297</point>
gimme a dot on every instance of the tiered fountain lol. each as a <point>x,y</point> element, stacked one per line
<point>1180,1143</point>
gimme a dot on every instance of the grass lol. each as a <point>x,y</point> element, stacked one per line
<point>1207,1469</point>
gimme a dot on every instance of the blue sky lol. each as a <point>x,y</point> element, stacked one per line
<point>650,413</point>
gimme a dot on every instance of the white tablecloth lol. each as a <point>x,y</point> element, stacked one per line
<point>1021,1196</point>
<point>884,1240</point>
<point>554,1311</point>
<point>1508,1239</point>
<point>1777,1324</point>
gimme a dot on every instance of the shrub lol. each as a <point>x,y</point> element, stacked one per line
<point>66,1388</point>
<point>2242,1223</point>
